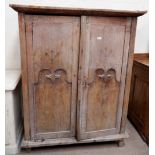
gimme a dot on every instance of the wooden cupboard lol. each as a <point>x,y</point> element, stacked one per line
<point>76,69</point>
<point>138,112</point>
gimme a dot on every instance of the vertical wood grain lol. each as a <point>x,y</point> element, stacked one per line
<point>123,72</point>
<point>50,107</point>
<point>23,50</point>
<point>128,74</point>
<point>80,109</point>
<point>53,44</point>
<point>29,41</point>
<point>100,100</point>
<point>138,111</point>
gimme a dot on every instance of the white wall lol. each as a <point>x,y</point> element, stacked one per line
<point>12,52</point>
<point>142,34</point>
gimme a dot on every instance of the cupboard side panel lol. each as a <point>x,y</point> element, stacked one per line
<point>23,51</point>
<point>128,74</point>
<point>123,72</point>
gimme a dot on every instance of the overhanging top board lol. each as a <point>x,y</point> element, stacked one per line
<point>31,9</point>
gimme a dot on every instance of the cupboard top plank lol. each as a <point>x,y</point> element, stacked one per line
<point>34,9</point>
<point>142,58</point>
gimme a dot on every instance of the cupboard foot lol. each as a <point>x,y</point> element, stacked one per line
<point>121,143</point>
<point>27,150</point>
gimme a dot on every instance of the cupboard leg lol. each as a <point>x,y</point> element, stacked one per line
<point>28,150</point>
<point>121,143</point>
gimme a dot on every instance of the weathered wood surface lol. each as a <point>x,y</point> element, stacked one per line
<point>76,73</point>
<point>52,62</point>
<point>30,9</point>
<point>23,50</point>
<point>128,74</point>
<point>69,141</point>
<point>102,74</point>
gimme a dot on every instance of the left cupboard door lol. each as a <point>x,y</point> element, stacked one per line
<point>52,45</point>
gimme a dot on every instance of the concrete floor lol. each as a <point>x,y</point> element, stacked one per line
<point>134,145</point>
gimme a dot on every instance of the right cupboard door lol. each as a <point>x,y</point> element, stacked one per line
<point>102,73</point>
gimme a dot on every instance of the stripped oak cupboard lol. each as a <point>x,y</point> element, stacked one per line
<point>76,70</point>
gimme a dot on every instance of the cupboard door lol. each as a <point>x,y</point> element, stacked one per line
<point>52,51</point>
<point>102,73</point>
